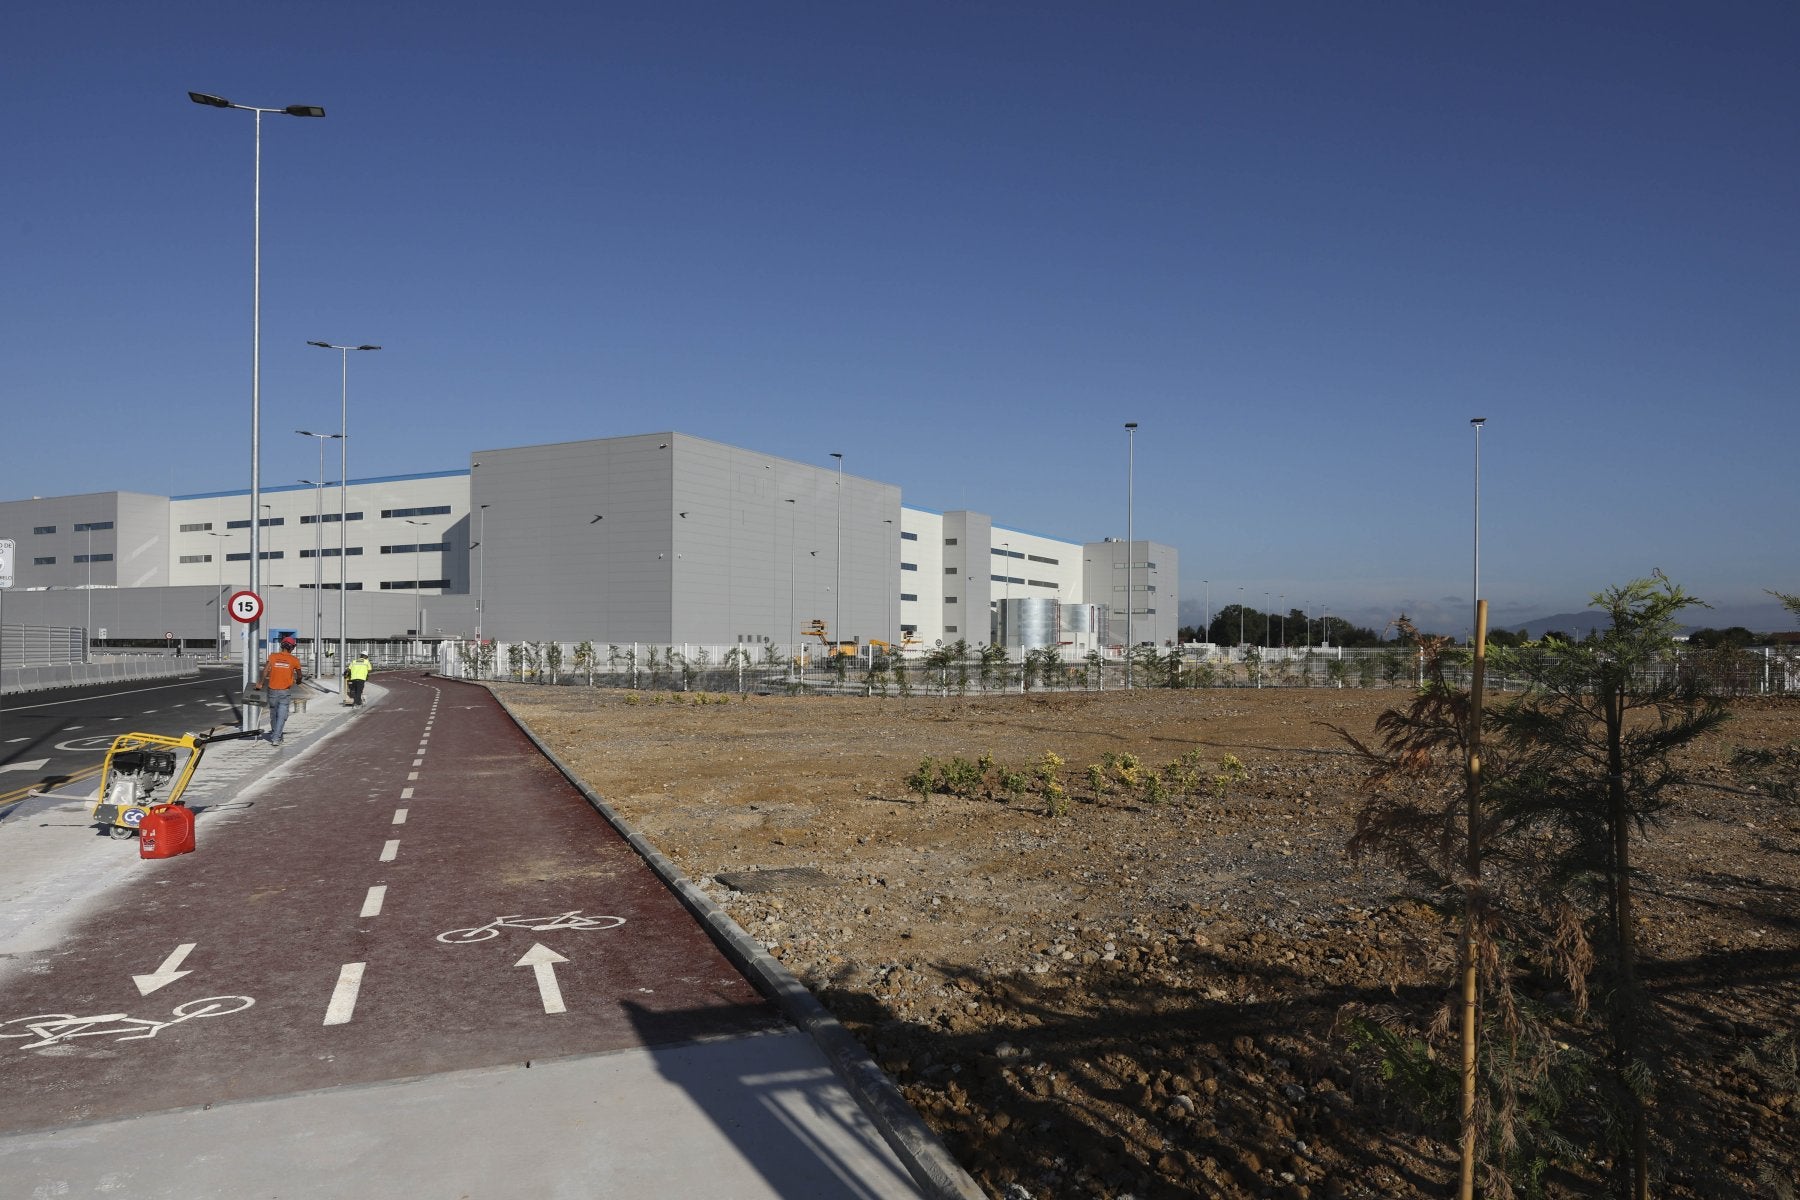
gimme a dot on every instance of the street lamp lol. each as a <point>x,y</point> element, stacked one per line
<point>418,579</point>
<point>88,633</point>
<point>291,110</point>
<point>837,612</point>
<point>1207,635</point>
<point>1281,621</point>
<point>219,564</point>
<point>1477,422</point>
<point>481,574</point>
<point>319,548</point>
<point>343,493</point>
<point>791,626</point>
<point>1268,621</point>
<point>1240,619</point>
<point>1130,540</point>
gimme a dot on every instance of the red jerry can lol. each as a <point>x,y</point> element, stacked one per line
<point>165,831</point>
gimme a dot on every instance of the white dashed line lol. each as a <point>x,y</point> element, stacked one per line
<point>343,996</point>
<point>412,777</point>
<point>391,849</point>
<point>418,762</point>
<point>406,793</point>
<point>372,902</point>
<point>399,816</point>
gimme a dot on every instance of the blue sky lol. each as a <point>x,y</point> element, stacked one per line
<point>1300,244</point>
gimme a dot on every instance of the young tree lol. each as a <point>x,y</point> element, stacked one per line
<point>1590,748</point>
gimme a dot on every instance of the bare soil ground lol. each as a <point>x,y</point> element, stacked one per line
<point>1135,999</point>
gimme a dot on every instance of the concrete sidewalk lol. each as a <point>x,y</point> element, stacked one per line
<point>779,1111</point>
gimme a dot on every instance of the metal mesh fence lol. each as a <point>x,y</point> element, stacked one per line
<point>793,669</point>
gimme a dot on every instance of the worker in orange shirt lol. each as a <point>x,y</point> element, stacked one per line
<point>281,678</point>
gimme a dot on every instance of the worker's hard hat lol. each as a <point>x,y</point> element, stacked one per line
<point>288,641</point>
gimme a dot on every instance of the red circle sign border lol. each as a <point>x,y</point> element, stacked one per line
<point>232,605</point>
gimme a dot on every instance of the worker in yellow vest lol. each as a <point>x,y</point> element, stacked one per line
<point>358,674</point>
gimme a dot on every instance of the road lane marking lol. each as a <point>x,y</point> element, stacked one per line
<point>418,762</point>
<point>412,777</point>
<point>542,960</point>
<point>343,996</point>
<point>399,816</point>
<point>406,793</point>
<point>391,849</point>
<point>372,902</point>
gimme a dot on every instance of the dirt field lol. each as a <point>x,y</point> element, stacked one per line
<point>1138,999</point>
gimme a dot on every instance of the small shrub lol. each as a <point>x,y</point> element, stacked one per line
<point>923,781</point>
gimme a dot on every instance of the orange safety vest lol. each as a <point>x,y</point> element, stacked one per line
<point>281,672</point>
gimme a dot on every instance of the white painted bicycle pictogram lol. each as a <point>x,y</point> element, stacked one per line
<point>51,1028</point>
<point>569,920</point>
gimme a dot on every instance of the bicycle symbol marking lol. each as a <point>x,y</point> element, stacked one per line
<point>52,1028</point>
<point>569,920</point>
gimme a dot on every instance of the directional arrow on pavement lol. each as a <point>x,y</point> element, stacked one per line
<point>165,974</point>
<point>35,764</point>
<point>542,960</point>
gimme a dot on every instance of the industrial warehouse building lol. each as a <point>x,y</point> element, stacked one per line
<point>657,538</point>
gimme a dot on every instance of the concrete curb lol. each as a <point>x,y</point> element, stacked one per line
<point>932,1167</point>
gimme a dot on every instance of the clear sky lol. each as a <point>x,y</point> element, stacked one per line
<point>1301,244</point>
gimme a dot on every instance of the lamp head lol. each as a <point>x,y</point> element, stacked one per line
<point>304,110</point>
<point>211,101</point>
<point>367,347</point>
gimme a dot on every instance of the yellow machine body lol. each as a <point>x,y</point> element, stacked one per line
<point>142,769</point>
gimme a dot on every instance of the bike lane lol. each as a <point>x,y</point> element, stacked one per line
<point>312,919</point>
<point>421,897</point>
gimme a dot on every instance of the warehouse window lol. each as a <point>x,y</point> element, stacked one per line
<point>44,562</point>
<point>909,566</point>
<point>194,558</point>
<point>197,527</point>
<point>431,510</point>
<point>45,529</point>
<point>909,595</point>
<point>86,526</point>
<point>908,537</point>
<point>93,558</point>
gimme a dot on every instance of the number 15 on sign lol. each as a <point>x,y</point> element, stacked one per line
<point>245,607</point>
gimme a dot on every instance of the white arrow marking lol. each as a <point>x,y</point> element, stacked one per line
<point>542,960</point>
<point>165,974</point>
<point>33,765</point>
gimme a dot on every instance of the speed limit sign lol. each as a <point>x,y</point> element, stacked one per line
<point>245,607</point>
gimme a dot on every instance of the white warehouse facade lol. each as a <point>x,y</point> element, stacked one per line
<point>653,538</point>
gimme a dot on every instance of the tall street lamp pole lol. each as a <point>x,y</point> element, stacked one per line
<point>1477,423</point>
<point>1130,541</point>
<point>219,564</point>
<point>343,494</point>
<point>1206,636</point>
<point>418,578</point>
<point>1240,618</point>
<point>481,574</point>
<point>791,626</point>
<point>88,633</point>
<point>319,551</point>
<point>291,110</point>
<point>837,612</point>
<point>1281,622</point>
<point>1268,621</point>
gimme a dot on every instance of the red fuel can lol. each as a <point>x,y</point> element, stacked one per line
<point>165,831</point>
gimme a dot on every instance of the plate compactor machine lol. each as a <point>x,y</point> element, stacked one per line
<point>147,770</point>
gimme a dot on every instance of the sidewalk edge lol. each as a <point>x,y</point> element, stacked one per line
<point>924,1155</point>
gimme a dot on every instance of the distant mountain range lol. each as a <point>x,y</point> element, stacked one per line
<point>1758,618</point>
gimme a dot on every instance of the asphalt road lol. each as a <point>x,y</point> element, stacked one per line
<point>51,738</point>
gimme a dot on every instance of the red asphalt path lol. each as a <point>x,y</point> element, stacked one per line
<point>314,909</point>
